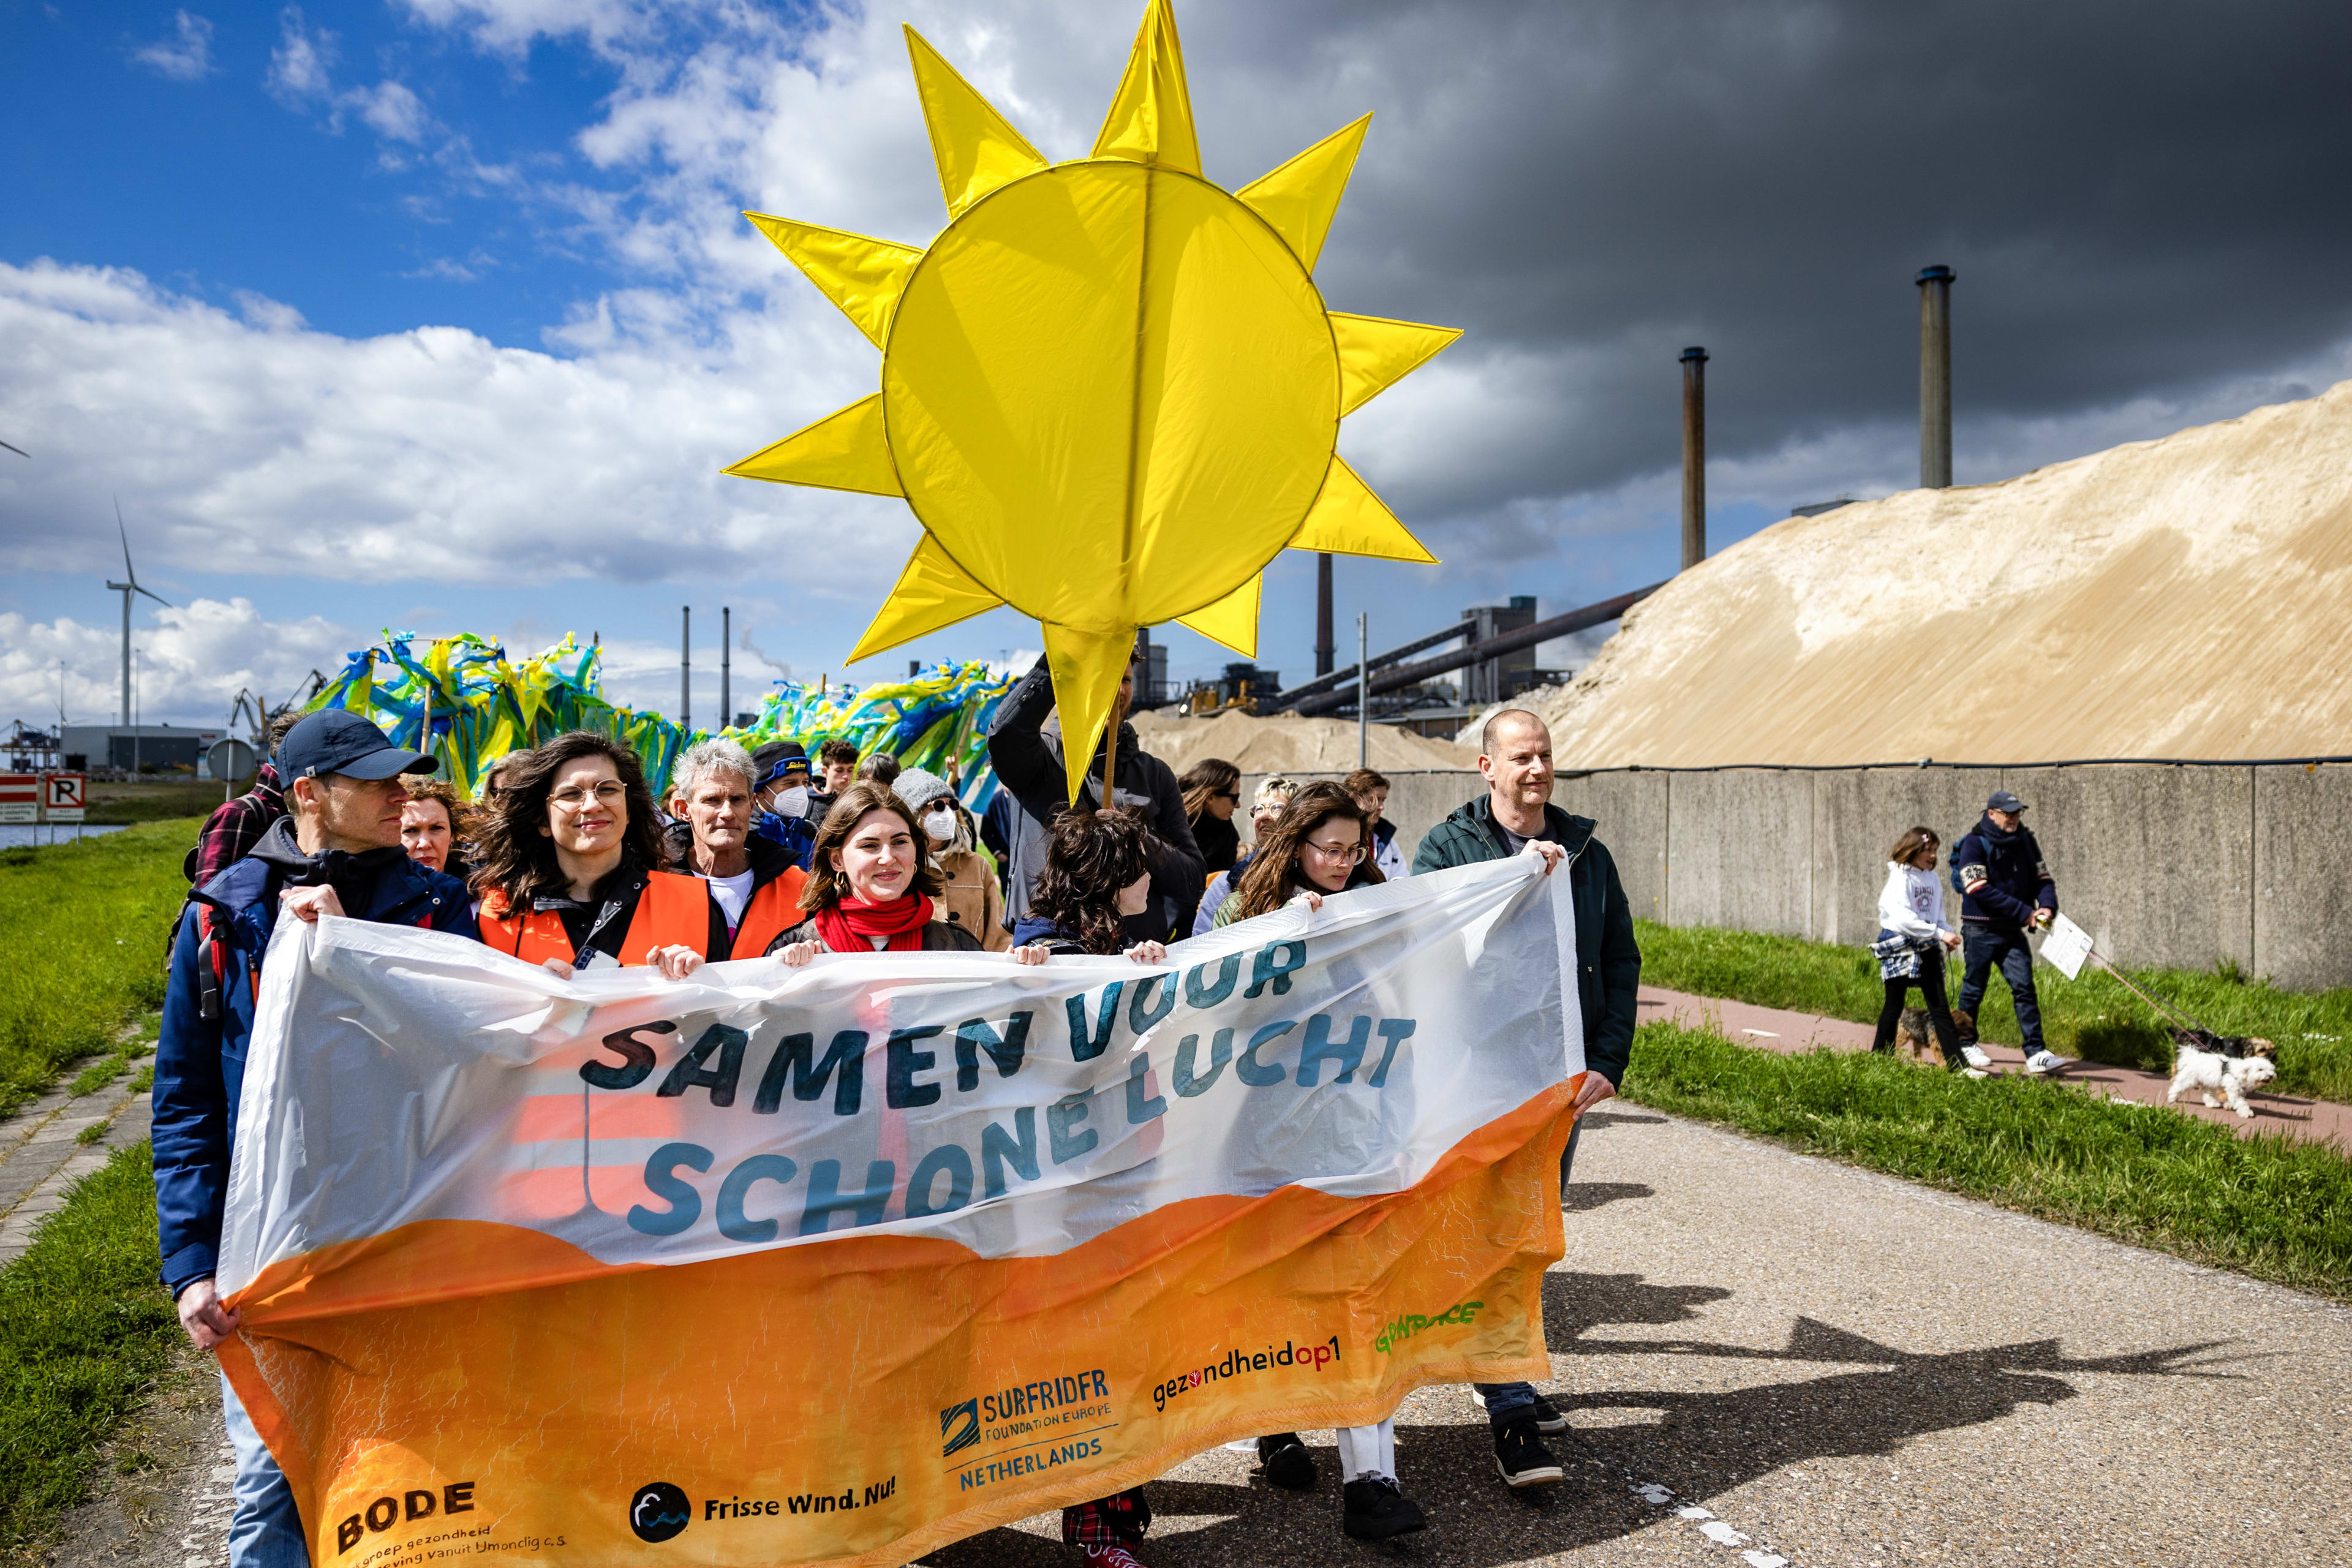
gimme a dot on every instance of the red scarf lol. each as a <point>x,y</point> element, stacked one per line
<point>847,924</point>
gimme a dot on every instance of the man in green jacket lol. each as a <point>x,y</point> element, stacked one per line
<point>1515,815</point>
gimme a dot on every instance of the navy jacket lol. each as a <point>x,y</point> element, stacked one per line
<point>200,1061</point>
<point>2002,878</point>
<point>1608,959</point>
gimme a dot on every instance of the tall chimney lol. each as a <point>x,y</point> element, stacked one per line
<point>686,667</point>
<point>726,667</point>
<point>1323,649</point>
<point>1935,378</point>
<point>1694,456</point>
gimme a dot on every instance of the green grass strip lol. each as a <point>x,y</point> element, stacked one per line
<point>82,928</point>
<point>2092,1018</point>
<point>2270,1207</point>
<point>84,1329</point>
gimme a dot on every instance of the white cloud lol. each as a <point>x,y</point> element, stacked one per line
<point>191,662</point>
<point>186,55</point>
<point>301,77</point>
<point>301,66</point>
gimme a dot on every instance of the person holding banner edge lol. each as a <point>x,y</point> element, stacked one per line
<point>337,851</point>
<point>575,872</point>
<point>871,886</point>
<point>1516,817</point>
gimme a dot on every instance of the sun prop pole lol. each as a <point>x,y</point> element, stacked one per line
<point>1110,390</point>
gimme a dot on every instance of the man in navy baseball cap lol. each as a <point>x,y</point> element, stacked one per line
<point>338,741</point>
<point>336,852</point>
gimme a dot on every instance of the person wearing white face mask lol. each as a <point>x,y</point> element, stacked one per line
<point>972,900</point>
<point>779,789</point>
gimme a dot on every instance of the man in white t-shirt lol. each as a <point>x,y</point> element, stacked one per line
<point>753,881</point>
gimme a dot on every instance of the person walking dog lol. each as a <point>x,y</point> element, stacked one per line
<point>1515,815</point>
<point>2008,891</point>
<point>1913,938</point>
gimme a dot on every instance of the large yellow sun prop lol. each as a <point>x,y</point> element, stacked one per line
<point>1110,390</point>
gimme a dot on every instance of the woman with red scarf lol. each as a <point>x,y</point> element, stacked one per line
<point>870,886</point>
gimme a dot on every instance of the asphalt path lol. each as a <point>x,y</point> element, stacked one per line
<point>1768,1359</point>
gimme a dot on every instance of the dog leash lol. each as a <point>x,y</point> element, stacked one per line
<point>2169,1011</point>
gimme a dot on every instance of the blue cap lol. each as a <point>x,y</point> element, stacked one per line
<point>338,741</point>
<point>775,760</point>
<point>2003,801</point>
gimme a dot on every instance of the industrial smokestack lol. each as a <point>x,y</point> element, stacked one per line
<point>1935,378</point>
<point>1323,649</point>
<point>686,667</point>
<point>726,667</point>
<point>1694,456</point>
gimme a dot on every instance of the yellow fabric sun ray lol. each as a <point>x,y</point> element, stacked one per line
<point>1231,620</point>
<point>1150,118</point>
<point>1301,198</point>
<point>845,450</point>
<point>1375,354</point>
<point>1349,519</point>
<point>1087,664</point>
<point>976,148</point>
<point>932,592</point>
<point>863,276</point>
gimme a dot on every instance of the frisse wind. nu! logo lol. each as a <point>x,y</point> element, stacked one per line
<point>958,1428</point>
<point>658,1511</point>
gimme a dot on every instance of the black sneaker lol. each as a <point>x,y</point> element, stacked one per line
<point>1521,1458</point>
<point>1377,1511</point>
<point>1547,1419</point>
<point>1286,1462</point>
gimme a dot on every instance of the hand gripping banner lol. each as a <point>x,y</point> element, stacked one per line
<point>840,1264</point>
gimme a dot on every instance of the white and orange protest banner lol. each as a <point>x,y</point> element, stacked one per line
<point>840,1264</point>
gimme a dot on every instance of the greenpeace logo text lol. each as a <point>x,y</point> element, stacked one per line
<point>1402,1329</point>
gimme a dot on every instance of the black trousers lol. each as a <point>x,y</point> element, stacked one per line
<point>1940,1012</point>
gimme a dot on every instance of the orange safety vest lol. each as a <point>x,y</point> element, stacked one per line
<point>774,910</point>
<point>674,910</point>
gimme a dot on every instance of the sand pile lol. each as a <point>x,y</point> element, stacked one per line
<point>1290,745</point>
<point>2187,597</point>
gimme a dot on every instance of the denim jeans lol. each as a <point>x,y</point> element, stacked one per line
<point>1504,1400</point>
<point>1984,948</point>
<point>264,1532</point>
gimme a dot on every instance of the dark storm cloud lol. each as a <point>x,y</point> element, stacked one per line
<point>2138,198</point>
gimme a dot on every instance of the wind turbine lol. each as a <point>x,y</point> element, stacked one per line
<point>126,589</point>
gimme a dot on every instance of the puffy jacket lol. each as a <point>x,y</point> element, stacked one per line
<point>1609,963</point>
<point>1026,749</point>
<point>216,959</point>
<point>2002,876</point>
<point>972,899</point>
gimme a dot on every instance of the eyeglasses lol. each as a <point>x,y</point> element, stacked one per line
<point>1232,794</point>
<point>1345,854</point>
<point>575,800</point>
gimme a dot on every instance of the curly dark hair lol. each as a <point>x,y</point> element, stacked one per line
<point>508,824</point>
<point>1090,855</point>
<point>1272,879</point>
<point>827,886</point>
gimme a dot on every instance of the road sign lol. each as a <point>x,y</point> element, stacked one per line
<point>64,796</point>
<point>20,797</point>
<point>230,758</point>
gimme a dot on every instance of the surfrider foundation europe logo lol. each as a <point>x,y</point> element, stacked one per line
<point>658,1511</point>
<point>958,1428</point>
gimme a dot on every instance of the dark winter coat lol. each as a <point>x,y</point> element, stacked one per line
<point>200,1061</point>
<point>937,937</point>
<point>1025,750</point>
<point>1609,965</point>
<point>2002,876</point>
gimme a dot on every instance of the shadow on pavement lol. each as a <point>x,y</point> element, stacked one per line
<point>1581,1197</point>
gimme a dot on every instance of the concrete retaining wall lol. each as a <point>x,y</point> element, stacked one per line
<point>2177,867</point>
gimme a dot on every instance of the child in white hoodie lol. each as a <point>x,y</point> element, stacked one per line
<point>1912,941</point>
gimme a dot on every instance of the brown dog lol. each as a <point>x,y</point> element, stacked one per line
<point>1917,1039</point>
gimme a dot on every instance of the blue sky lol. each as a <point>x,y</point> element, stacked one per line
<point>437,314</point>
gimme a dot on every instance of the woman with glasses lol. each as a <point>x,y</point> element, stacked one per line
<point>1318,846</point>
<point>572,866</point>
<point>1213,792</point>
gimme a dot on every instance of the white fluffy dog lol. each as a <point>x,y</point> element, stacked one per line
<point>2213,1074</point>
